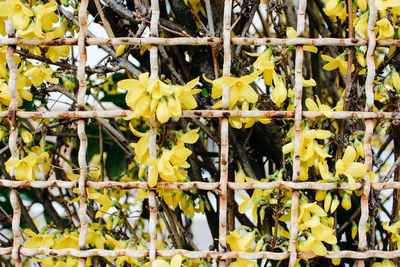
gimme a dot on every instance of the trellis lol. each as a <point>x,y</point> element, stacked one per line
<point>223,185</point>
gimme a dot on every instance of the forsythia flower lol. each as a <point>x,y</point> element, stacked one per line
<point>385,29</point>
<point>20,14</point>
<point>362,26</point>
<point>168,166</point>
<point>395,79</point>
<point>334,63</point>
<point>45,17</point>
<point>394,231</point>
<point>23,168</point>
<point>279,93</point>
<point>335,9</point>
<point>324,109</point>
<point>291,33</point>
<point>240,243</point>
<point>315,218</point>
<point>348,167</point>
<point>382,5</point>
<point>153,97</point>
<point>176,261</point>
<point>104,200</point>
<point>265,62</point>
<point>39,74</point>
<point>38,240</point>
<point>240,90</point>
<point>5,98</point>
<point>362,4</point>
<point>384,263</point>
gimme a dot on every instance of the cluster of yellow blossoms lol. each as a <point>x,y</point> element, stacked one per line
<point>170,162</point>
<point>152,97</point>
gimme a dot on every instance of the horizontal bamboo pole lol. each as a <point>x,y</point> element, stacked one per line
<point>200,254</point>
<point>198,41</point>
<point>273,114</point>
<point>197,185</point>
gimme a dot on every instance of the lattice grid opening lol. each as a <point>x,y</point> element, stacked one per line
<point>227,41</point>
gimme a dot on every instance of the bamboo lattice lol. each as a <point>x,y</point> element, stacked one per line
<point>86,38</point>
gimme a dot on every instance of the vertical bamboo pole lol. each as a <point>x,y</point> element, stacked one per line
<point>369,92</point>
<point>225,131</point>
<point>155,15</point>
<point>81,128</point>
<point>12,143</point>
<point>297,133</point>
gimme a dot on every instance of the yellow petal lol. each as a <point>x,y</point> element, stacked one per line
<point>335,204</point>
<point>308,83</point>
<point>191,136</point>
<point>349,156</point>
<point>279,94</point>
<point>120,50</point>
<point>327,202</point>
<point>356,169</point>
<point>163,111</point>
<point>160,263</point>
<point>153,177</point>
<point>310,48</point>
<point>176,261</point>
<point>291,33</point>
<point>311,105</point>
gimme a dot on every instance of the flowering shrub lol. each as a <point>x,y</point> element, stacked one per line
<point>294,187</point>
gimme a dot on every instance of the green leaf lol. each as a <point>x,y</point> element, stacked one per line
<point>204,92</point>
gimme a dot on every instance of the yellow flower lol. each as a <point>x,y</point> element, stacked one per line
<point>196,6</point>
<point>335,248</point>
<point>362,26</point>
<point>120,50</point>
<point>385,29</point>
<point>308,83</point>
<point>5,98</point>
<point>45,17</point>
<point>265,62</point>
<point>95,238</point>
<point>394,231</point>
<point>279,93</point>
<point>384,263</point>
<point>334,63</point>
<point>136,88</point>
<point>324,109</point>
<point>184,94</point>
<point>360,56</point>
<point>395,79</point>
<point>70,240</point>
<point>349,168</point>
<point>240,243</point>
<point>26,136</point>
<point>38,240</point>
<point>335,9</point>
<point>176,261</point>
<point>362,4</point>
<point>19,13</point>
<point>55,52</point>
<point>250,204</point>
<point>346,201</point>
<point>39,74</point>
<point>104,200</point>
<point>240,90</point>
<point>243,262</point>
<point>23,168</point>
<point>382,5</point>
<point>291,34</point>
<point>315,218</point>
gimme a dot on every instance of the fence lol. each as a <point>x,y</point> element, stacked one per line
<point>223,185</point>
